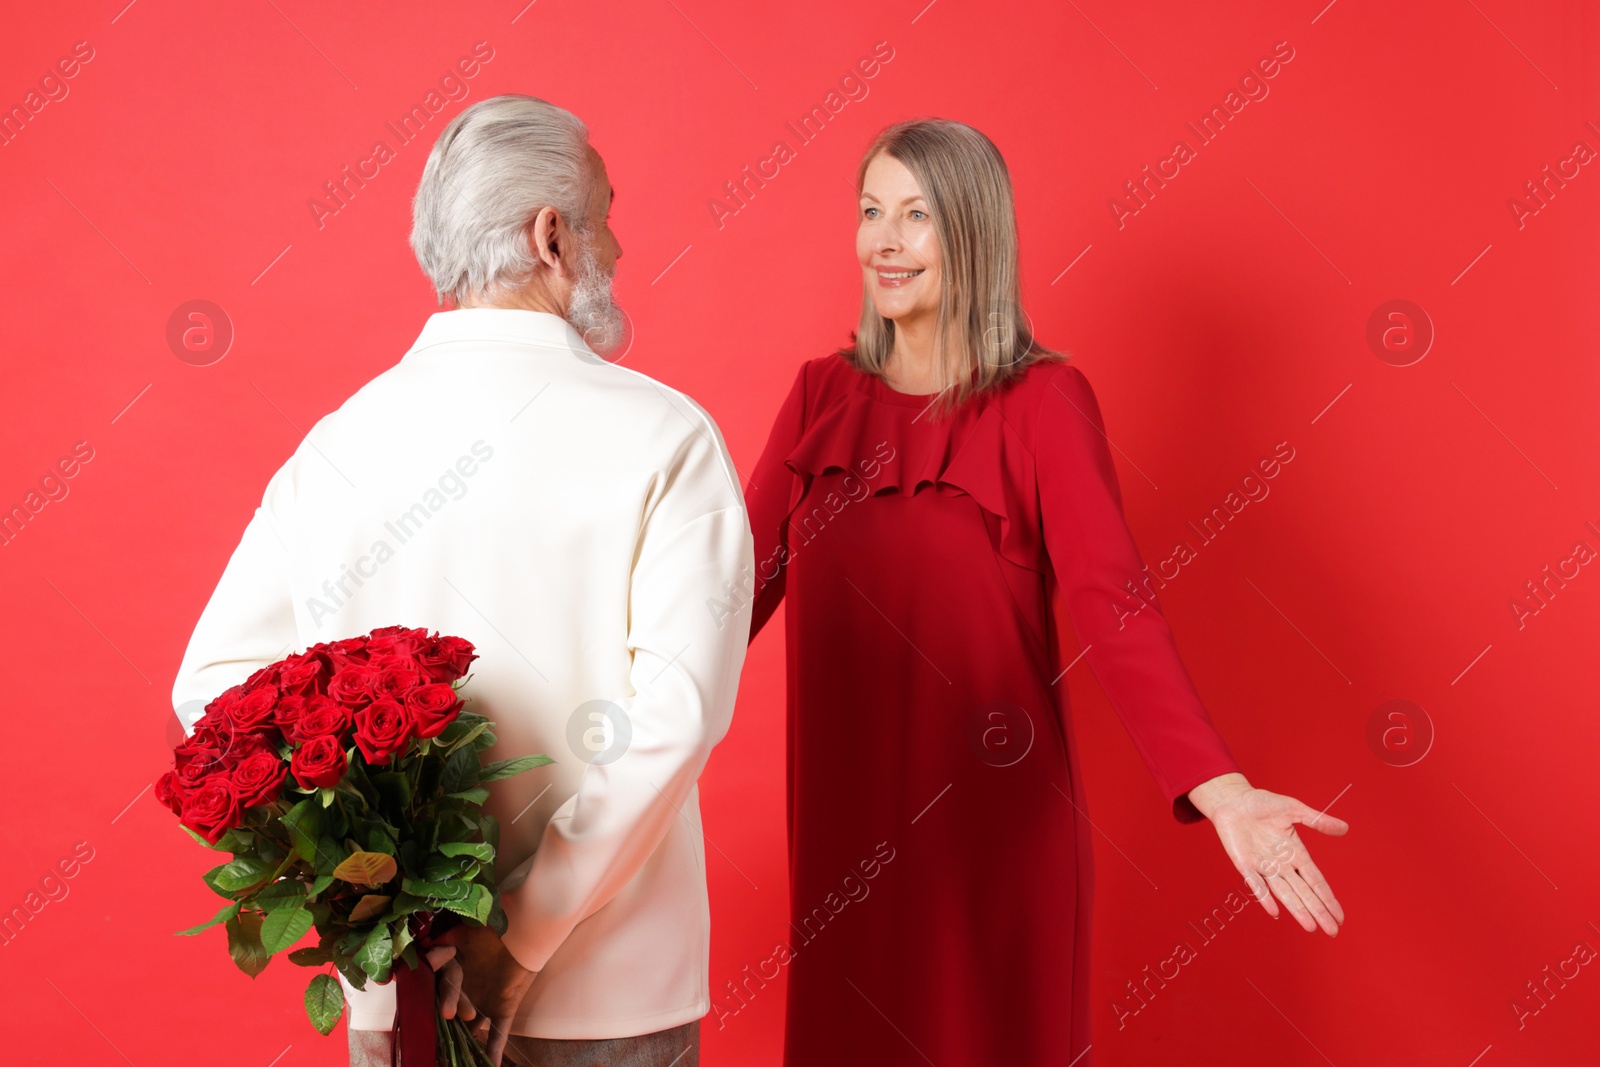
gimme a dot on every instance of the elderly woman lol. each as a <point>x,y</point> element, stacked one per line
<point>922,495</point>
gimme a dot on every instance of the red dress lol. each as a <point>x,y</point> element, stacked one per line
<point>939,868</point>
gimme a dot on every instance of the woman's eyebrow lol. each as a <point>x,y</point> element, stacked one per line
<point>907,200</point>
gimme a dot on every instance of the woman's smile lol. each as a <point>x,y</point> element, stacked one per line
<point>894,277</point>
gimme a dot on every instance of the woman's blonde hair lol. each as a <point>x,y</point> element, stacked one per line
<point>981,337</point>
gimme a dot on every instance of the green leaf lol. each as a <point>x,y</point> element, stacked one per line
<point>327,794</point>
<point>305,823</point>
<point>329,855</point>
<point>244,943</point>
<point>228,911</point>
<point>476,795</point>
<point>285,894</point>
<point>475,906</point>
<point>478,850</point>
<point>324,1003</point>
<point>284,927</point>
<point>362,785</point>
<point>311,956</point>
<point>242,873</point>
<point>337,826</point>
<point>406,903</point>
<point>394,790</point>
<point>323,881</point>
<point>236,840</point>
<point>451,890</point>
<point>367,868</point>
<point>401,940</point>
<point>456,826</point>
<point>374,833</point>
<point>490,827</point>
<point>196,836</point>
<point>377,953</point>
<point>506,768</point>
<point>351,971</point>
<point>210,879</point>
<point>460,771</point>
<point>369,907</point>
<point>472,733</point>
<point>444,868</point>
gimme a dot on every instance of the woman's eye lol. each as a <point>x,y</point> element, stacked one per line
<point>868,211</point>
<point>916,212</point>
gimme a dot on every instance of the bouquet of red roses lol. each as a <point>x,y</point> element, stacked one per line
<point>346,782</point>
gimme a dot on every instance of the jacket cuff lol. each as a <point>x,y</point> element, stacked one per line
<point>525,937</point>
<point>371,1008</point>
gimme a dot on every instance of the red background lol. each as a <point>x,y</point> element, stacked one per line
<point>1225,317</point>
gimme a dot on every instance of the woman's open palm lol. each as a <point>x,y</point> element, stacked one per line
<point>1257,828</point>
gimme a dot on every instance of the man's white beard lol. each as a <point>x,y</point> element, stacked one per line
<point>593,310</point>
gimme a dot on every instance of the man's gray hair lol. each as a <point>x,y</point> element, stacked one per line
<point>491,171</point>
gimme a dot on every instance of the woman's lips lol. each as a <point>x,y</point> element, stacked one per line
<point>893,279</point>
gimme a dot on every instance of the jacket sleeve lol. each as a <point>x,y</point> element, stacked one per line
<point>687,634</point>
<point>249,620</point>
<point>1111,602</point>
<point>248,623</point>
<point>770,496</point>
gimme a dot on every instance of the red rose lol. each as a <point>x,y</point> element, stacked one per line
<point>446,658</point>
<point>259,778</point>
<point>395,680</point>
<point>196,771</point>
<point>215,723</point>
<point>254,709</point>
<point>213,809</point>
<point>303,678</point>
<point>433,707</point>
<point>340,654</point>
<point>322,717</point>
<point>419,633</point>
<point>247,745</point>
<point>196,747</point>
<point>382,729</point>
<point>352,686</point>
<point>267,675</point>
<point>289,709</point>
<point>383,660</point>
<point>169,791</point>
<point>318,762</point>
<point>395,641</point>
<point>225,701</point>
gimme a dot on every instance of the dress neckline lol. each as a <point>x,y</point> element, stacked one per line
<point>875,387</point>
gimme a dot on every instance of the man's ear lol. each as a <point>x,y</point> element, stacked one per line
<point>544,240</point>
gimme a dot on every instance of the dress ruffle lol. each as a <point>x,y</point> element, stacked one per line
<point>966,454</point>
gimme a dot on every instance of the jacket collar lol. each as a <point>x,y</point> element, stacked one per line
<point>501,325</point>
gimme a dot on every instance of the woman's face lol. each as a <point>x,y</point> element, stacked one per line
<point>896,243</point>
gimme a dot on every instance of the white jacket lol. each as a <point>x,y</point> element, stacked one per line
<point>584,527</point>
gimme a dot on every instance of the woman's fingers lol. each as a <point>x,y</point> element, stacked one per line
<point>1320,821</point>
<point>1320,887</point>
<point>1284,891</point>
<point>1315,908</point>
<point>1258,889</point>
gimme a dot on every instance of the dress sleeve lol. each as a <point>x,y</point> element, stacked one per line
<point>1112,604</point>
<point>769,496</point>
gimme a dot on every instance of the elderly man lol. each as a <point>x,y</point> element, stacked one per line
<point>584,526</point>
